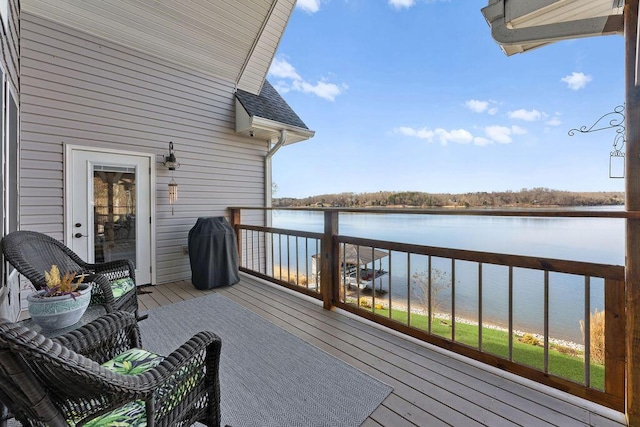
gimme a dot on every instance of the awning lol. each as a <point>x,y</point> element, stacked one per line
<point>521,25</point>
<point>358,255</point>
<point>265,115</point>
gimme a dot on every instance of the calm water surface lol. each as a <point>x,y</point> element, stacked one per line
<point>598,240</point>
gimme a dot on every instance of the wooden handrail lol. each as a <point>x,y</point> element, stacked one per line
<point>540,213</point>
<point>613,272</point>
<point>297,233</point>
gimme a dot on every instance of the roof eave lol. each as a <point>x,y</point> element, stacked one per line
<point>515,40</point>
<point>267,129</point>
<point>294,133</point>
<point>234,41</point>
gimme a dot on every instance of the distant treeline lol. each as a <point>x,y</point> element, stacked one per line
<point>523,198</point>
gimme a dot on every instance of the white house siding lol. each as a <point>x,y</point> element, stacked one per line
<point>9,46</point>
<point>82,90</point>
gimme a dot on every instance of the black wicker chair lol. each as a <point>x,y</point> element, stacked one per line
<point>69,380</point>
<point>33,253</point>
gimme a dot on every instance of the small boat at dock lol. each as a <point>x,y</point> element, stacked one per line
<point>358,265</point>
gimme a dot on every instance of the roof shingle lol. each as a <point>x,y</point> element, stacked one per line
<point>269,105</point>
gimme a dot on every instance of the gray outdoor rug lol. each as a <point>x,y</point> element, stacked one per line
<point>268,377</point>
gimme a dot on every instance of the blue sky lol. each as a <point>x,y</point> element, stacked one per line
<point>414,95</point>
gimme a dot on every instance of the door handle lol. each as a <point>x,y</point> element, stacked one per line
<point>78,235</point>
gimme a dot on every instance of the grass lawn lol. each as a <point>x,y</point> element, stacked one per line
<point>497,342</point>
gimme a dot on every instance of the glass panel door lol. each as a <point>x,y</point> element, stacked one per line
<point>108,205</point>
<point>114,213</point>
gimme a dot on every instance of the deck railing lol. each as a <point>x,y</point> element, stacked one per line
<point>416,294</point>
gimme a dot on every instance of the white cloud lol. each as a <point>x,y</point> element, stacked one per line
<point>493,134</point>
<point>281,86</point>
<point>529,116</point>
<point>406,4</point>
<point>576,81</point>
<point>555,121</point>
<point>478,140</point>
<point>281,69</point>
<point>423,133</point>
<point>503,134</point>
<point>325,90</point>
<point>460,136</point>
<point>400,4</point>
<point>291,80</point>
<point>478,106</point>
<point>499,134</point>
<point>309,6</point>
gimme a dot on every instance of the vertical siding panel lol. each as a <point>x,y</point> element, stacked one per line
<point>82,90</point>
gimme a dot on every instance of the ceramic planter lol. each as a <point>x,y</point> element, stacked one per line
<point>61,311</point>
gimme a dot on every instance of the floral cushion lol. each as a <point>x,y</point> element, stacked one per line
<point>131,414</point>
<point>131,362</point>
<point>122,286</point>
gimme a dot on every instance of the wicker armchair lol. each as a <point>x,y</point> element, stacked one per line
<point>33,253</point>
<point>69,380</point>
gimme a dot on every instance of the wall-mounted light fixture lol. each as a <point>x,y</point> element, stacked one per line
<point>170,161</point>
<point>612,120</point>
<point>172,164</point>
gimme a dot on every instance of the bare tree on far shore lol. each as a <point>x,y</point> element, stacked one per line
<point>532,197</point>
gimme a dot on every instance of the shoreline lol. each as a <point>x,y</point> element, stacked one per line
<point>445,316</point>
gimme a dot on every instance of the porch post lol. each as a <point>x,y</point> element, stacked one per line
<point>236,219</point>
<point>632,194</point>
<point>329,266</point>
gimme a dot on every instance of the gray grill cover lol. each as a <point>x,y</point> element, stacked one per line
<point>213,253</point>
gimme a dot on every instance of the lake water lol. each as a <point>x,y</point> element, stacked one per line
<point>598,240</point>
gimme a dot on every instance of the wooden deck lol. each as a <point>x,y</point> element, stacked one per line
<point>431,387</point>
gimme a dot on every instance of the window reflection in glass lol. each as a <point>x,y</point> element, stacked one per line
<point>114,213</point>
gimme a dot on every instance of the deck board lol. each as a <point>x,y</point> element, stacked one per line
<point>146,302</point>
<point>386,417</point>
<point>410,412</point>
<point>371,423</point>
<point>173,295</point>
<point>431,386</point>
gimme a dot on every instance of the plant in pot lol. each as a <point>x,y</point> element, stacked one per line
<point>62,303</point>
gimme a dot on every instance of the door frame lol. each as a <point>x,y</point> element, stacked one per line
<point>10,301</point>
<point>68,226</point>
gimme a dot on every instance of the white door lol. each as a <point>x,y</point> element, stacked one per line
<point>109,208</point>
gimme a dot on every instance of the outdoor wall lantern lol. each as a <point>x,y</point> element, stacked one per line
<point>172,164</point>
<point>615,121</point>
<point>616,157</point>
